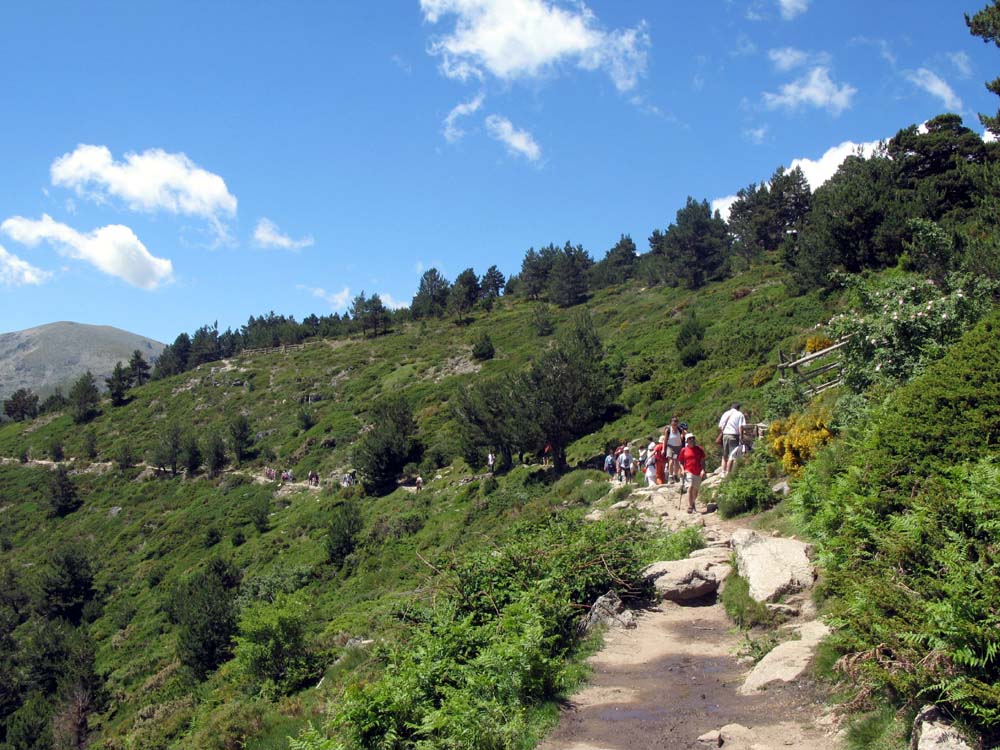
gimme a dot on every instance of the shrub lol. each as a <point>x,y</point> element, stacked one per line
<point>215,454</point>
<point>542,321</point>
<point>212,537</point>
<point>125,458</point>
<point>240,437</point>
<point>762,376</point>
<point>747,489</point>
<point>817,343</point>
<point>306,419</point>
<point>89,445</point>
<point>63,497</point>
<point>797,439</point>
<point>56,452</point>
<point>344,529</point>
<point>271,651</point>
<point>483,348</point>
<point>692,354</point>
<point>259,512</point>
<point>382,452</point>
<point>202,607</point>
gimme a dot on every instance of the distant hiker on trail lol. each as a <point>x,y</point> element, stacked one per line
<point>419,482</point>
<point>609,465</point>
<point>730,425</point>
<point>660,461</point>
<point>625,465</point>
<point>313,479</point>
<point>650,466</point>
<point>674,433</point>
<point>692,458</point>
<point>491,461</point>
<point>546,454</point>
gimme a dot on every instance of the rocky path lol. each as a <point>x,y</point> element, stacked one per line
<point>674,681</point>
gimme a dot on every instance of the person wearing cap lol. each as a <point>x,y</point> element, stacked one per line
<point>650,466</point>
<point>692,458</point>
<point>625,465</point>
<point>730,425</point>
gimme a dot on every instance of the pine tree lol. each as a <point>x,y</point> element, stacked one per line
<point>986,25</point>
<point>63,497</point>
<point>138,368</point>
<point>431,298</point>
<point>492,284</point>
<point>22,405</point>
<point>240,437</point>
<point>84,398</point>
<point>464,293</point>
<point>118,384</point>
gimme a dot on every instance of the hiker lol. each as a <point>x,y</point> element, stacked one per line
<point>313,479</point>
<point>625,466</point>
<point>650,465</point>
<point>660,461</point>
<point>692,458</point>
<point>546,454</point>
<point>730,425</point>
<point>674,433</point>
<point>609,464</point>
<point>419,482</point>
<point>490,461</point>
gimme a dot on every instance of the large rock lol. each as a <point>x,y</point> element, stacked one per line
<point>608,611</point>
<point>773,567</point>
<point>686,580</point>
<point>786,661</point>
<point>930,732</point>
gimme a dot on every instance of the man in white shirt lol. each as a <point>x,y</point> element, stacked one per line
<point>730,425</point>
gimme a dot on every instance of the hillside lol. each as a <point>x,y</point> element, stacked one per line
<point>146,536</point>
<point>54,355</point>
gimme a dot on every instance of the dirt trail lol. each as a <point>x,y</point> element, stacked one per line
<point>674,677</point>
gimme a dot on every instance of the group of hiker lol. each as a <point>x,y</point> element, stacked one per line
<point>676,456</point>
<point>287,475</point>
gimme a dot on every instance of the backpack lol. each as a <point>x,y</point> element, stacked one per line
<point>626,460</point>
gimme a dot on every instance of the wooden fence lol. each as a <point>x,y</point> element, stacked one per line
<point>283,349</point>
<point>805,370</point>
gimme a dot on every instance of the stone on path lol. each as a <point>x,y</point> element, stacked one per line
<point>772,566</point>
<point>686,580</point>
<point>786,661</point>
<point>608,610</point>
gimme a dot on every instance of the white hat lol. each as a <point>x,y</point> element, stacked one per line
<point>626,448</point>
<point>689,436</point>
<point>652,447</point>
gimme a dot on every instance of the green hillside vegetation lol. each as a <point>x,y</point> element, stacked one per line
<point>161,592</point>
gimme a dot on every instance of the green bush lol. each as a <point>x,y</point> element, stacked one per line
<point>202,606</point>
<point>692,354</point>
<point>345,526</point>
<point>747,489</point>
<point>482,348</point>
<point>271,652</point>
<point>63,496</point>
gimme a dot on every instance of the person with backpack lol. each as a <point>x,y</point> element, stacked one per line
<point>674,433</point>
<point>609,465</point>
<point>731,424</point>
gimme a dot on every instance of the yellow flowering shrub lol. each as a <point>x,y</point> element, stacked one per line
<point>797,439</point>
<point>818,343</point>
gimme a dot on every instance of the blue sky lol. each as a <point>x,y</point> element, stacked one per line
<point>166,165</point>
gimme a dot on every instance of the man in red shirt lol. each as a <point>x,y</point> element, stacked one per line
<point>692,458</point>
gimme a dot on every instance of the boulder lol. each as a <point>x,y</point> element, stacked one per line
<point>773,567</point>
<point>931,732</point>
<point>608,611</point>
<point>683,580</point>
<point>786,661</point>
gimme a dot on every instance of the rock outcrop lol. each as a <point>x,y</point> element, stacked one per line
<point>786,661</point>
<point>773,566</point>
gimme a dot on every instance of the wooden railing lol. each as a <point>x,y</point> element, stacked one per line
<point>283,349</point>
<point>798,372</point>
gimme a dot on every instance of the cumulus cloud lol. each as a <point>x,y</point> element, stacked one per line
<point>814,89</point>
<point>517,141</point>
<point>267,235</point>
<point>17,272</point>
<point>724,205</point>
<point>451,131</point>
<point>389,301</point>
<point>336,300</point>
<point>792,8</point>
<point>113,249</point>
<point>523,39</point>
<point>151,181</point>
<point>936,86</point>
<point>818,171</point>
<point>785,59</point>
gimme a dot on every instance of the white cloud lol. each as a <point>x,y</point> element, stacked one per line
<point>934,85</point>
<point>151,181</point>
<point>336,300</point>
<point>723,205</point>
<point>756,135</point>
<point>818,171</point>
<point>390,302</point>
<point>518,141</point>
<point>523,39</point>
<point>451,131</point>
<point>815,89</point>
<point>114,249</point>
<point>792,8</point>
<point>17,272</point>
<point>786,58</point>
<point>988,137</point>
<point>962,63</point>
<point>267,235</point>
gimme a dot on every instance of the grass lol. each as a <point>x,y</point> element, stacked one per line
<point>741,607</point>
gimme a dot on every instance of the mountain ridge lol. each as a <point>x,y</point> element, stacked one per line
<point>52,355</point>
